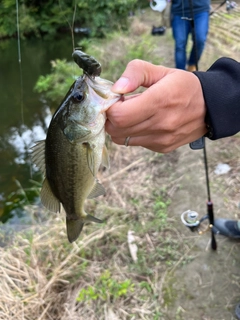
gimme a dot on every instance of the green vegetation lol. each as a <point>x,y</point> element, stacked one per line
<point>106,288</point>
<point>60,80</point>
<point>38,18</point>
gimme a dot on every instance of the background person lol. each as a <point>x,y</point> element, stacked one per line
<point>182,27</point>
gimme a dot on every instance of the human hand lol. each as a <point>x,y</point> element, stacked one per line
<point>168,114</point>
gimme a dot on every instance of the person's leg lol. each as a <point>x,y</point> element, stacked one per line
<point>180,29</point>
<point>201,24</point>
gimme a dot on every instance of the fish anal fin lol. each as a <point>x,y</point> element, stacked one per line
<point>74,228</point>
<point>93,219</point>
<point>97,190</point>
<point>105,157</point>
<point>38,155</point>
<point>48,198</point>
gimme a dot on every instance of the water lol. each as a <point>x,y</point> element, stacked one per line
<point>24,116</point>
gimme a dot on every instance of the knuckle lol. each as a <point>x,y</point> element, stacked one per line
<point>170,125</point>
<point>136,65</point>
<point>134,62</point>
<point>166,142</point>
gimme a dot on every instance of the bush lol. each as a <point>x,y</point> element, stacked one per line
<point>48,17</point>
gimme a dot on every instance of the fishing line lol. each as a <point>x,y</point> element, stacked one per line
<point>19,61</point>
<point>71,25</point>
<point>73,20</point>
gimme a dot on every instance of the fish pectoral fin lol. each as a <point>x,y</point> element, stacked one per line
<point>38,155</point>
<point>105,157</point>
<point>48,198</point>
<point>91,159</point>
<point>74,228</point>
<point>76,132</point>
<point>97,190</point>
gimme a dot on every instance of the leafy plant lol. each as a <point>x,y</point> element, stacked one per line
<point>106,288</point>
<point>59,81</point>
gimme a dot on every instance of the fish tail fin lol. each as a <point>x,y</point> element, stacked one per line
<point>74,228</point>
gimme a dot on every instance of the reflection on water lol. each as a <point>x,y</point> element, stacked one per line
<point>24,115</point>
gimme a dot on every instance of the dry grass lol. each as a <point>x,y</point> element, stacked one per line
<point>43,277</point>
<point>42,274</point>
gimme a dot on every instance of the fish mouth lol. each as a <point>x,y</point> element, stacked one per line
<point>102,89</point>
<point>96,86</point>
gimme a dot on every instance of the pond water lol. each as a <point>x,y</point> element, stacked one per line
<point>24,115</point>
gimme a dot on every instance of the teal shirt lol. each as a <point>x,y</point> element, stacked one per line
<point>182,7</point>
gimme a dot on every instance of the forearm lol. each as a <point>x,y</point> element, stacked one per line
<point>221,90</point>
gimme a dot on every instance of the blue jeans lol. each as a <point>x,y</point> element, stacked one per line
<point>181,29</point>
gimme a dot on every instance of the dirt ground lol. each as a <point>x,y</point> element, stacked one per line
<point>208,288</point>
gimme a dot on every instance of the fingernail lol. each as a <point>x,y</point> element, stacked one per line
<point>120,85</point>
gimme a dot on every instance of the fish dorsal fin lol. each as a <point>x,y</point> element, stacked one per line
<point>74,228</point>
<point>48,198</point>
<point>38,155</point>
<point>97,190</point>
<point>105,157</point>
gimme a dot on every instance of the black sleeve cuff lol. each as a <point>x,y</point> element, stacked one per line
<point>221,90</point>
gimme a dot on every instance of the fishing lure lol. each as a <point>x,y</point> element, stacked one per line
<point>88,63</point>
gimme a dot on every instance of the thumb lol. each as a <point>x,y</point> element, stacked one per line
<point>138,73</point>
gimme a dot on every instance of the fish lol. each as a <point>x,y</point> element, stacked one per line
<point>74,148</point>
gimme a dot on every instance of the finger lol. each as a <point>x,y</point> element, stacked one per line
<point>143,128</point>
<point>136,109</point>
<point>138,73</point>
<point>149,142</point>
<point>162,142</point>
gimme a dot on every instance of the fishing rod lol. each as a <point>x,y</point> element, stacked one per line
<point>218,7</point>
<point>190,218</point>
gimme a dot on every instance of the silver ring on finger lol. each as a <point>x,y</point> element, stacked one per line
<point>126,143</point>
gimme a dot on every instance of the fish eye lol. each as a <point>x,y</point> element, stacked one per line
<point>78,97</point>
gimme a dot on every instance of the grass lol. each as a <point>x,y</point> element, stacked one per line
<point>43,277</point>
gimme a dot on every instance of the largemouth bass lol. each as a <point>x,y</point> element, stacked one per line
<point>74,148</point>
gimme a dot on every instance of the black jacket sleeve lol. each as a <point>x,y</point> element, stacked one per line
<point>221,90</point>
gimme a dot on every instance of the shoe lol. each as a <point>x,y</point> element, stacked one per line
<point>237,311</point>
<point>158,30</point>
<point>191,68</point>
<point>228,228</point>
